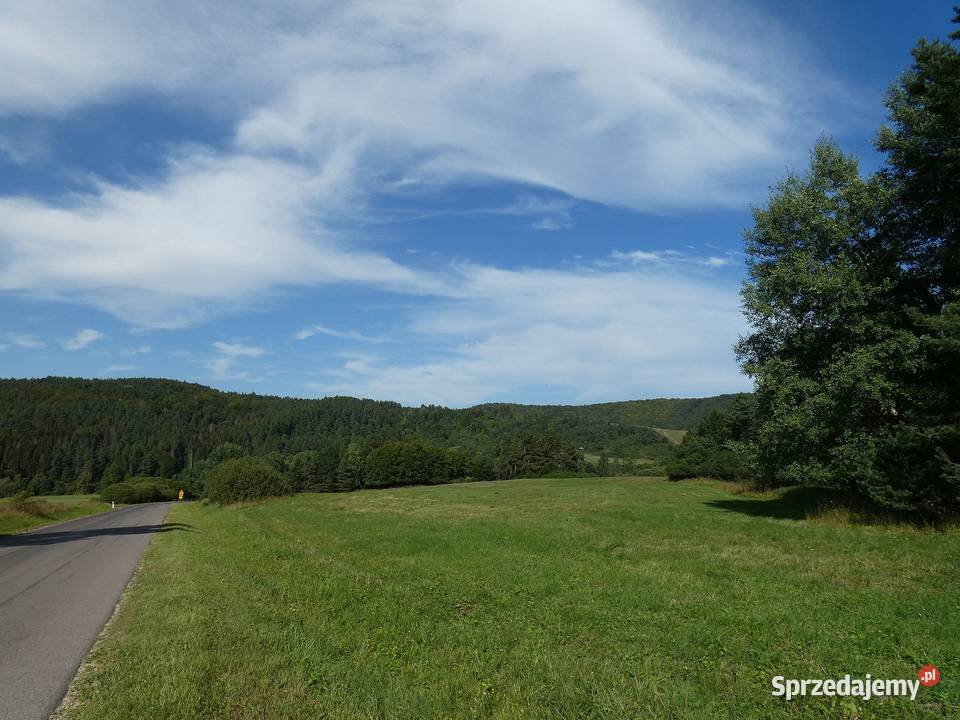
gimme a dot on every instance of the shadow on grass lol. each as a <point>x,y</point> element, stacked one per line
<point>62,536</point>
<point>791,504</point>
<point>826,507</point>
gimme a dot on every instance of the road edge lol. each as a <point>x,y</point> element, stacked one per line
<point>88,666</point>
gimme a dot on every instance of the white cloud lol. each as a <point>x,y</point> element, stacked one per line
<point>601,100</point>
<point>139,350</point>
<point>590,336</point>
<point>119,368</point>
<point>341,334</point>
<point>552,223</point>
<point>223,365</point>
<point>83,338</point>
<point>645,105</point>
<point>239,349</point>
<point>218,232</point>
<point>714,261</point>
<point>23,340</point>
<point>675,258</point>
<point>637,256</point>
<point>550,213</point>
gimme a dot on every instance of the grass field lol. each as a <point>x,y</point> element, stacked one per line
<point>600,598</point>
<point>45,510</point>
<point>674,436</point>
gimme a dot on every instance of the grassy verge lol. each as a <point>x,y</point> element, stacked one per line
<point>579,598</point>
<point>16,516</point>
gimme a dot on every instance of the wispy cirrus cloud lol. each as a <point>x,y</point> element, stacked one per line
<point>331,107</point>
<point>503,90</point>
<point>143,349</point>
<point>223,364</point>
<point>119,368</point>
<point>217,233</point>
<point>341,334</point>
<point>327,100</point>
<point>547,213</point>
<point>587,335</point>
<point>82,339</point>
<point>237,350</point>
<point>672,257</point>
<point>23,340</point>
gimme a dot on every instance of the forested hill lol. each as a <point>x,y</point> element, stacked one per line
<point>73,429</point>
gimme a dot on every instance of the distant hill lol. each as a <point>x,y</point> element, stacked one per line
<point>68,429</point>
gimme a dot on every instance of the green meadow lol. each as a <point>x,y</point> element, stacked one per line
<point>563,598</point>
<point>17,515</point>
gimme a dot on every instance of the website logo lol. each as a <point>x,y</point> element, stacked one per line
<point>865,687</point>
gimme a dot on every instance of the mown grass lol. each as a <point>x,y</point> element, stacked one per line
<point>17,515</point>
<point>572,598</point>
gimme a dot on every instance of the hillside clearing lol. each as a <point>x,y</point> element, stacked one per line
<point>674,436</point>
<point>572,598</point>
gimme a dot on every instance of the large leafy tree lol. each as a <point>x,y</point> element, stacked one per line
<point>852,292</point>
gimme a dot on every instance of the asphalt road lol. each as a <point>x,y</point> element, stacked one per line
<point>58,586</point>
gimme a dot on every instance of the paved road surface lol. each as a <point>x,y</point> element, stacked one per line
<point>58,586</point>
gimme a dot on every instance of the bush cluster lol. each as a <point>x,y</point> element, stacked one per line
<point>139,490</point>
<point>245,478</point>
<point>414,463</point>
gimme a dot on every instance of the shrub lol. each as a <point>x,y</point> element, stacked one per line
<point>22,503</point>
<point>138,490</point>
<point>11,486</point>
<point>245,478</point>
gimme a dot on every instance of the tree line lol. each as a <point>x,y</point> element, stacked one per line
<point>74,435</point>
<point>853,298</point>
<point>229,474</point>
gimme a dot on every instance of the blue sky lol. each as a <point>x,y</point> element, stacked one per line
<point>428,202</point>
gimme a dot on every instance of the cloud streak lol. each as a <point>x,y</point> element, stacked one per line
<point>332,107</point>
<point>82,339</point>
<point>327,100</point>
<point>223,365</point>
<point>217,233</point>
<point>590,336</point>
<point>24,340</point>
<point>341,334</point>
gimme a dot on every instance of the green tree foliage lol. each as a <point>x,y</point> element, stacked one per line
<point>102,431</point>
<point>603,465</point>
<point>315,471</point>
<point>139,490</point>
<point>722,446</point>
<point>245,478</point>
<point>852,297</point>
<point>350,469</point>
<point>413,463</point>
<point>538,456</point>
